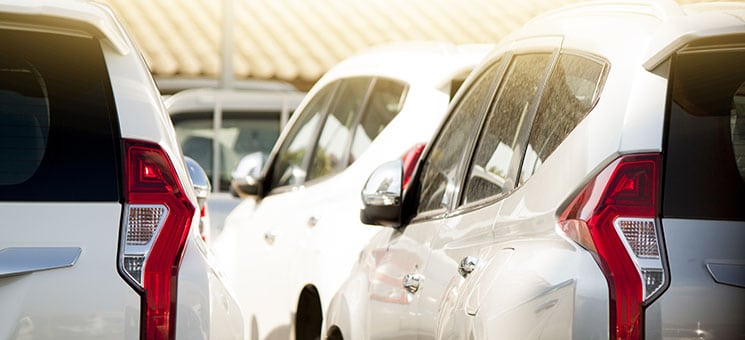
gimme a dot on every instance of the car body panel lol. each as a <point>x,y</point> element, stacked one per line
<point>27,311</point>
<point>90,298</point>
<point>531,279</point>
<point>314,227</point>
<point>696,305</point>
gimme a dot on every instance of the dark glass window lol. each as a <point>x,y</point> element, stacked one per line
<point>489,170</point>
<point>570,94</point>
<point>58,127</point>
<point>386,101</point>
<point>330,151</point>
<point>289,166</point>
<point>439,175</point>
<point>241,133</point>
<point>704,166</point>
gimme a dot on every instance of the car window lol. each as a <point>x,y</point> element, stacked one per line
<point>240,134</point>
<point>439,170</point>
<point>489,170</point>
<point>58,126</point>
<point>705,155</point>
<point>570,93</point>
<point>386,100</point>
<point>289,166</point>
<point>330,152</point>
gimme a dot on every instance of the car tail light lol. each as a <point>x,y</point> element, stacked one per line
<point>156,222</point>
<point>614,216</point>
<point>410,159</point>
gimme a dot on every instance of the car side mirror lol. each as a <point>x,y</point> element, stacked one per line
<point>199,180</point>
<point>381,196</point>
<point>246,178</point>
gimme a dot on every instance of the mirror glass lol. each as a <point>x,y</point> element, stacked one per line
<point>199,180</point>
<point>383,188</point>
<point>245,177</point>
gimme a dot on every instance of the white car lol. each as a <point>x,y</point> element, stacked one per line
<point>251,119</point>
<point>99,215</point>
<point>288,247</point>
<point>596,191</point>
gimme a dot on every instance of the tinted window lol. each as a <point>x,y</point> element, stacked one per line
<point>58,132</point>
<point>386,101</point>
<point>289,166</point>
<point>570,94</point>
<point>705,156</point>
<point>241,133</point>
<point>439,171</point>
<point>490,167</point>
<point>330,153</point>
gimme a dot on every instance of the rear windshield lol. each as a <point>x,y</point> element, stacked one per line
<point>705,155</point>
<point>57,131</point>
<point>240,134</point>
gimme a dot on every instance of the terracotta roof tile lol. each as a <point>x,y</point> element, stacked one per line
<point>298,40</point>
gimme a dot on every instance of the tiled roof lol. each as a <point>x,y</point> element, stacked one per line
<point>298,40</point>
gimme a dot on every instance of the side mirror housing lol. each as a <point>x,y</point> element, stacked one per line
<point>382,194</point>
<point>199,180</point>
<point>246,178</point>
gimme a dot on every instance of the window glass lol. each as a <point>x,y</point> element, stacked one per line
<point>241,133</point>
<point>24,120</point>
<point>58,131</point>
<point>329,155</point>
<point>704,174</point>
<point>386,101</point>
<point>490,165</point>
<point>288,167</point>
<point>439,170</point>
<point>570,94</point>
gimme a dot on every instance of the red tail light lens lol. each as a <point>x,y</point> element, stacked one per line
<point>157,219</point>
<point>410,159</point>
<point>614,217</point>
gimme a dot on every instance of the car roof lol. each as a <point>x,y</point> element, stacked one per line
<point>654,29</point>
<point>232,99</point>
<point>412,62</point>
<point>100,19</point>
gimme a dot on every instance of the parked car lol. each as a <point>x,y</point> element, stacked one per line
<point>99,215</point>
<point>250,121</point>
<point>586,184</point>
<point>288,246</point>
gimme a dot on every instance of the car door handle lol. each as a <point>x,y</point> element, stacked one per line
<point>412,282</point>
<point>24,260</point>
<point>467,265</point>
<point>269,237</point>
<point>312,221</point>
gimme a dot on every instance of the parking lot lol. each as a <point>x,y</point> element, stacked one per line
<point>261,169</point>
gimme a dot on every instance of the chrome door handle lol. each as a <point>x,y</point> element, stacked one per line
<point>467,265</point>
<point>269,237</point>
<point>24,260</point>
<point>312,221</point>
<point>412,282</point>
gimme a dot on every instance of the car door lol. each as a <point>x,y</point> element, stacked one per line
<point>260,230</point>
<point>398,282</point>
<point>315,148</point>
<point>511,268</point>
<point>320,257</point>
<point>463,249</point>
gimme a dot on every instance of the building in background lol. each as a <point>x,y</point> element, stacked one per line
<point>298,40</point>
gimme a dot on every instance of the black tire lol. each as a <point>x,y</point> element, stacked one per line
<point>334,334</point>
<point>309,316</point>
